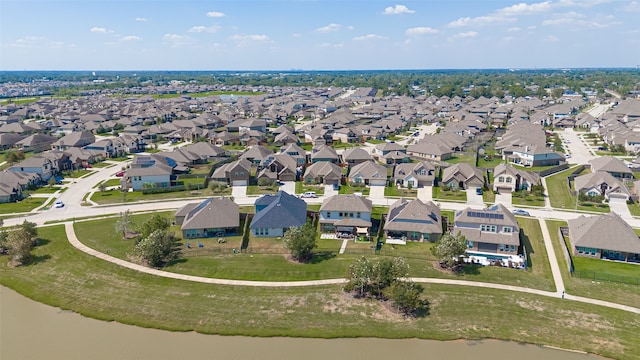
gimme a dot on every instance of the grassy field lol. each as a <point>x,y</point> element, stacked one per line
<point>347,189</point>
<point>45,190</point>
<point>608,291</point>
<point>559,194</point>
<point>25,205</point>
<point>301,188</point>
<point>528,199</point>
<point>394,191</point>
<point>64,277</point>
<point>76,173</point>
<point>116,197</point>
<point>259,190</point>
<point>469,159</point>
<point>112,182</point>
<point>449,195</point>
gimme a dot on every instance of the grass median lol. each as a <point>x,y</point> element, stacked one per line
<point>65,277</point>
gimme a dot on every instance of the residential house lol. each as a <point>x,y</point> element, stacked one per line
<point>35,165</point>
<point>414,175</point>
<point>535,155</point>
<point>462,176</point>
<point>507,178</point>
<point>36,143</point>
<point>296,152</point>
<point>323,172</point>
<point>75,139</point>
<point>493,230</point>
<point>368,173</point>
<point>237,173</point>
<point>256,154</point>
<point>605,236</point>
<point>412,221</point>
<point>355,156</point>
<point>275,214</point>
<point>324,153</point>
<point>214,217</point>
<point>280,167</point>
<point>381,150</point>
<point>107,148</point>
<point>147,171</point>
<point>431,151</point>
<point>346,215</point>
<point>613,166</point>
<point>601,183</point>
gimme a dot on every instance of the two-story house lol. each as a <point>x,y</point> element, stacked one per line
<point>39,165</point>
<point>412,221</point>
<point>147,171</point>
<point>347,216</point>
<point>414,175</point>
<point>507,178</point>
<point>237,173</point>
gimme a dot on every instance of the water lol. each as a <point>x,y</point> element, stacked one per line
<point>30,330</point>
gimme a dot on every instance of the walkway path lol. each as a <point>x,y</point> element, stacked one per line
<point>71,236</point>
<point>555,268</point>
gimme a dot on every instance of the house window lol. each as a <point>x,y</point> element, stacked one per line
<point>508,180</point>
<point>236,173</point>
<point>501,179</point>
<point>350,215</point>
<point>358,215</point>
<point>469,244</point>
<point>488,228</point>
<point>328,214</point>
<point>513,248</point>
<point>501,247</point>
<point>340,214</point>
<point>506,229</point>
<point>241,173</point>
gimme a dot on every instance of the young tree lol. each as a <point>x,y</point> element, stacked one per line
<point>20,244</point>
<point>4,244</point>
<point>301,241</point>
<point>124,223</point>
<point>158,248</point>
<point>406,296</point>
<point>449,248</point>
<point>156,222</point>
<point>359,276</point>
<point>30,228</point>
<point>386,272</point>
<point>102,187</point>
<point>51,182</point>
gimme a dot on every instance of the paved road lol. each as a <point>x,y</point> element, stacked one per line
<point>73,239</point>
<point>580,152</point>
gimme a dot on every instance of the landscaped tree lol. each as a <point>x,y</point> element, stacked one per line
<point>124,223</point>
<point>30,228</point>
<point>301,241</point>
<point>51,182</point>
<point>156,222</point>
<point>4,245</point>
<point>386,272</point>
<point>449,248</point>
<point>406,296</point>
<point>19,245</point>
<point>102,187</point>
<point>359,276</point>
<point>158,248</point>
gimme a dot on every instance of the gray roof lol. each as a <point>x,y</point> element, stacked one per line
<point>608,231</point>
<point>282,211</point>
<point>346,203</point>
<point>368,170</point>
<point>531,177</point>
<point>467,216</point>
<point>356,154</point>
<point>595,179</point>
<point>609,164</point>
<point>213,213</point>
<point>414,215</point>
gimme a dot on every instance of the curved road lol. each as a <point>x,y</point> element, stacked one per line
<point>73,239</point>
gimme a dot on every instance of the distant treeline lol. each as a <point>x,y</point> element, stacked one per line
<point>401,82</point>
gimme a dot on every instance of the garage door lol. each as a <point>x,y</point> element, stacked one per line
<point>504,190</point>
<point>488,247</point>
<point>378,182</point>
<point>239,183</point>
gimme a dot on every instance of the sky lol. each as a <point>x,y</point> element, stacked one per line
<point>317,35</point>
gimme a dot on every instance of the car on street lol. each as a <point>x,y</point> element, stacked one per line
<point>520,212</point>
<point>58,204</point>
<point>478,191</point>
<point>309,194</point>
<point>120,174</point>
<point>336,187</point>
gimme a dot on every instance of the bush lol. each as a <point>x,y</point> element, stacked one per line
<point>266,182</point>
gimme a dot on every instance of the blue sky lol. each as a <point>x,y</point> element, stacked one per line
<point>317,35</point>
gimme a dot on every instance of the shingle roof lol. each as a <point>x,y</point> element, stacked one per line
<point>346,203</point>
<point>414,215</point>
<point>282,211</point>
<point>213,213</point>
<point>608,231</point>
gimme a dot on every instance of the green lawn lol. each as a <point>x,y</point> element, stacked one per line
<point>25,205</point>
<point>469,159</point>
<point>608,291</point>
<point>634,209</point>
<point>375,142</point>
<point>559,194</point>
<point>301,187</point>
<point>347,189</point>
<point>259,190</point>
<point>449,195</point>
<point>116,197</point>
<point>528,199</point>
<point>45,190</point>
<point>394,191</point>
<point>112,182</point>
<point>488,196</point>
<point>76,173</point>
<point>101,165</point>
<point>64,277</point>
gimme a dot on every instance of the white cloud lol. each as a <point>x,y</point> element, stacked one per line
<point>100,30</point>
<point>398,9</point>
<point>204,29</point>
<point>576,20</point>
<point>332,45</point>
<point>632,6</point>
<point>421,30</point>
<point>480,21</point>
<point>215,14</point>
<point>525,9</point>
<point>369,37</point>
<point>329,28</point>
<point>141,19</point>
<point>178,41</point>
<point>550,39</point>
<point>130,38</point>
<point>468,34</point>
<point>26,42</point>
<point>296,35</point>
<point>581,3</point>
<point>250,37</point>
<point>513,29</point>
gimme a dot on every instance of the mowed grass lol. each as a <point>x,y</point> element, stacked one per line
<point>265,258</point>
<point>559,194</point>
<point>25,205</point>
<point>116,197</point>
<point>67,278</point>
<point>609,291</point>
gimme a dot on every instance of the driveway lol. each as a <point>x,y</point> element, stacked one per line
<point>328,191</point>
<point>504,198</point>
<point>580,151</point>
<point>425,193</point>
<point>376,192</point>
<point>289,187</point>
<point>473,198</point>
<point>239,191</point>
<point>619,206</point>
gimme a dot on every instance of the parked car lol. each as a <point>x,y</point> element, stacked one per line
<point>120,174</point>
<point>58,204</point>
<point>479,191</point>
<point>336,187</point>
<point>520,212</point>
<point>309,194</point>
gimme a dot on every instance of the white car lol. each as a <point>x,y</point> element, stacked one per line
<point>58,204</point>
<point>309,194</point>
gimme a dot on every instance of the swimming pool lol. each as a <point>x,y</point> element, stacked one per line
<point>489,256</point>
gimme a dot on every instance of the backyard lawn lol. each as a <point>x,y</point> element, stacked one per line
<point>25,205</point>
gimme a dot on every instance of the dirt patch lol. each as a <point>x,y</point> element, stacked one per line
<point>586,320</point>
<point>530,305</point>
